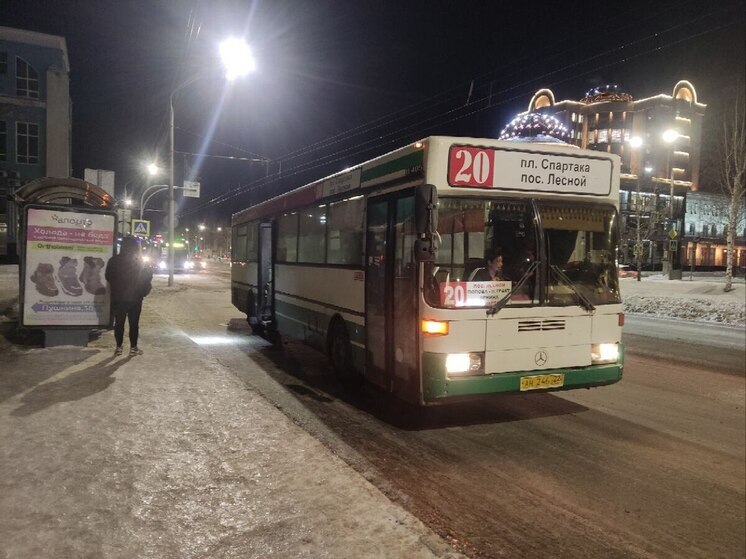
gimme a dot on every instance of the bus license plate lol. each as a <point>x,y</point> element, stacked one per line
<point>542,381</point>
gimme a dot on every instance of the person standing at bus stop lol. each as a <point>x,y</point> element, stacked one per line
<point>130,281</point>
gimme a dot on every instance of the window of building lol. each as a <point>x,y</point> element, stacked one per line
<point>3,141</point>
<point>603,136</point>
<point>312,237</point>
<point>616,136</point>
<point>27,142</point>
<point>691,229</point>
<point>287,238</point>
<point>27,80</point>
<point>705,231</point>
<point>345,232</point>
<point>3,63</point>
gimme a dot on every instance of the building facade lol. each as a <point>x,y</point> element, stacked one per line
<point>657,172</point>
<point>705,231</point>
<point>35,117</point>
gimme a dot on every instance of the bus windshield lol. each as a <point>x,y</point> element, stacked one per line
<point>490,252</point>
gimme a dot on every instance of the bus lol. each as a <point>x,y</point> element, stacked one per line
<point>376,267</point>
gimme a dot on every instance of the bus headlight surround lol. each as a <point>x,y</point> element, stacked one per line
<point>465,363</point>
<point>604,353</point>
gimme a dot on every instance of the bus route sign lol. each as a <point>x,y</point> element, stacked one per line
<point>514,169</point>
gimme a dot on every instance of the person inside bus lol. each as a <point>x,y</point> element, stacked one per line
<point>493,271</point>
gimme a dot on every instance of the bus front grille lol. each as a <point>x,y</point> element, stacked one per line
<point>540,325</point>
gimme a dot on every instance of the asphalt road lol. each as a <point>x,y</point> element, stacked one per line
<point>654,466</point>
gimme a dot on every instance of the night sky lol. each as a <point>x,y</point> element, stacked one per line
<point>339,82</point>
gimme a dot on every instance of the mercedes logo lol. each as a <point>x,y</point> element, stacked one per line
<point>541,358</point>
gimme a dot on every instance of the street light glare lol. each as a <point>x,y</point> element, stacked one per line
<point>670,136</point>
<point>236,57</point>
<point>152,169</point>
<point>635,141</point>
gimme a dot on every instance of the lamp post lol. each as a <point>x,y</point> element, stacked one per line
<point>669,137</point>
<point>238,61</point>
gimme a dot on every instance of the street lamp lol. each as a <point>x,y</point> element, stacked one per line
<point>238,61</point>
<point>670,136</point>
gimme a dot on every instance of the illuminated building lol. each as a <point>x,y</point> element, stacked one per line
<point>607,119</point>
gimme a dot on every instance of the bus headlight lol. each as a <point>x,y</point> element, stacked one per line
<point>604,353</point>
<point>162,265</point>
<point>465,363</point>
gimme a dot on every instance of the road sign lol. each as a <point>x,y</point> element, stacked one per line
<point>191,189</point>
<point>140,228</point>
<point>673,246</point>
<point>673,233</point>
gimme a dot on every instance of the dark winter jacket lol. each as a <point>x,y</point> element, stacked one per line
<point>129,279</point>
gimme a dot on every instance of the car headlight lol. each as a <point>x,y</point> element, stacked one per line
<point>203,264</point>
<point>162,265</point>
<point>465,363</point>
<point>188,265</point>
<point>146,258</point>
<point>604,353</point>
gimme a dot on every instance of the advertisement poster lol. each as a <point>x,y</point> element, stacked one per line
<point>66,251</point>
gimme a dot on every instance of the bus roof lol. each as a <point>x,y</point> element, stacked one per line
<point>463,166</point>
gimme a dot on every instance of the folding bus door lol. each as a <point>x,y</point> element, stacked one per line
<point>266,306</point>
<point>390,295</point>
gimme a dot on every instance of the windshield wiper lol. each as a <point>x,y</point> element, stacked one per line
<point>582,299</point>
<point>505,300</point>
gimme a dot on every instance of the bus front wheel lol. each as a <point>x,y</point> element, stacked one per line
<point>340,350</point>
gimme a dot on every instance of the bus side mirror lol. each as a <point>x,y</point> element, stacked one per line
<point>425,206</point>
<point>426,221</point>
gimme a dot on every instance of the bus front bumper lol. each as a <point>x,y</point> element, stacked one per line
<point>439,387</point>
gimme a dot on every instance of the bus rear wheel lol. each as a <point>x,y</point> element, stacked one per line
<point>340,350</point>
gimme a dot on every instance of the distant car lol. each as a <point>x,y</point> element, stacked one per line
<point>627,271</point>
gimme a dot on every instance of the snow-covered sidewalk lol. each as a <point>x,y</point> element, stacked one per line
<point>701,299</point>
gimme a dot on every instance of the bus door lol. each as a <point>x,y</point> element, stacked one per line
<point>390,295</point>
<point>266,304</point>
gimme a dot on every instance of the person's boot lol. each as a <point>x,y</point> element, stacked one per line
<point>91,275</point>
<point>68,276</point>
<point>43,277</point>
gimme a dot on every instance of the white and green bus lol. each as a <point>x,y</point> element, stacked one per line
<point>379,266</point>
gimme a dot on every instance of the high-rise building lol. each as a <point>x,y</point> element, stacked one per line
<point>655,169</point>
<point>35,116</point>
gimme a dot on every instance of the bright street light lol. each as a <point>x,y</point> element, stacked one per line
<point>127,202</point>
<point>152,169</point>
<point>670,136</point>
<point>238,61</point>
<point>201,227</point>
<point>635,141</point>
<point>236,57</point>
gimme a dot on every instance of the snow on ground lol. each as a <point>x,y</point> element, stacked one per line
<point>701,299</point>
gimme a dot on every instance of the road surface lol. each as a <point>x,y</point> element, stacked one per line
<point>653,466</point>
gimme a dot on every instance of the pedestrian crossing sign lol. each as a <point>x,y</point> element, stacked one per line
<point>141,228</point>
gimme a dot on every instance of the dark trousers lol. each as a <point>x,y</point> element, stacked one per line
<point>130,311</point>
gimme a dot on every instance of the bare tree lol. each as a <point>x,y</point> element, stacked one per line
<point>732,174</point>
<point>647,218</point>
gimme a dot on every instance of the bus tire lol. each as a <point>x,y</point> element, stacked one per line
<point>340,350</point>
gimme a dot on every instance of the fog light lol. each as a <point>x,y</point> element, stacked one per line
<point>604,353</point>
<point>464,364</point>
